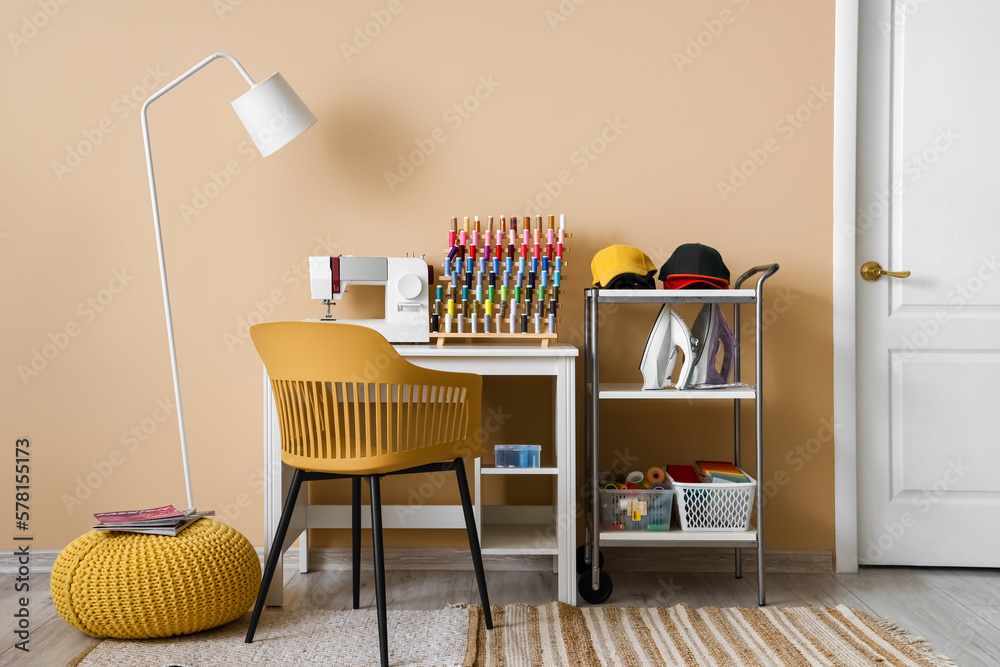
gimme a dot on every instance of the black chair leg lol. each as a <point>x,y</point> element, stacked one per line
<point>272,558</point>
<point>356,537</point>
<point>470,527</point>
<point>383,631</point>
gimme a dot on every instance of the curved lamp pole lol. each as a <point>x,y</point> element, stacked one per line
<point>273,114</point>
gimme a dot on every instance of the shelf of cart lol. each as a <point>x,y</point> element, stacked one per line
<point>677,296</point>
<point>634,390</point>
<point>678,538</point>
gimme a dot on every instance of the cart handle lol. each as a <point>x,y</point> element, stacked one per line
<point>768,270</point>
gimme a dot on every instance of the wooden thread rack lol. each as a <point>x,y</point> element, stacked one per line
<point>478,284</point>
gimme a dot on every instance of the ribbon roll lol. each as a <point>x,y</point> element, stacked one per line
<point>655,475</point>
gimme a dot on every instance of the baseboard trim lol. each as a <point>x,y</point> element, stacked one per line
<point>43,560</point>
<point>634,560</point>
<point>650,559</point>
<point>431,558</point>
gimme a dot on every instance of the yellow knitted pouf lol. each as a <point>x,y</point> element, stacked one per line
<point>130,586</point>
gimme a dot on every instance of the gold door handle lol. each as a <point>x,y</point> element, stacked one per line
<point>872,271</point>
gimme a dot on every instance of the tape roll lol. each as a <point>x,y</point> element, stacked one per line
<point>655,475</point>
<point>659,486</point>
<point>635,477</point>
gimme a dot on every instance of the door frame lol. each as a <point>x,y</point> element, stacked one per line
<point>845,125</point>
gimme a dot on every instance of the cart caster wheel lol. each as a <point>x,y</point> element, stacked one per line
<point>581,563</point>
<point>589,594</point>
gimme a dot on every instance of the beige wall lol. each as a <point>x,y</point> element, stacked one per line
<point>81,230</point>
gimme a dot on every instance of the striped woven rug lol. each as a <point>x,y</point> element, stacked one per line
<point>559,635</point>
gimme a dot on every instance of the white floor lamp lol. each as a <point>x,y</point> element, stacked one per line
<point>273,115</point>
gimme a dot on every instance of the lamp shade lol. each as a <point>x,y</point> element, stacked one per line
<point>273,113</point>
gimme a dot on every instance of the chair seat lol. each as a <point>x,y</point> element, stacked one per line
<point>132,586</point>
<point>355,467</point>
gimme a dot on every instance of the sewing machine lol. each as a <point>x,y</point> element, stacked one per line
<point>405,280</point>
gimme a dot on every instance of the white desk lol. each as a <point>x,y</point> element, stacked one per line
<point>502,530</point>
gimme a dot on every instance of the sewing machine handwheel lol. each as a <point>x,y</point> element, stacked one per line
<point>409,285</point>
<point>582,564</point>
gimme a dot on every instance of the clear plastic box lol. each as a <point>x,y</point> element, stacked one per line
<point>517,456</point>
<point>637,509</point>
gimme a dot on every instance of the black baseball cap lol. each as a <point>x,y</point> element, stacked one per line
<point>694,266</point>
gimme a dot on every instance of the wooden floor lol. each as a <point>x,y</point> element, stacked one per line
<point>958,611</point>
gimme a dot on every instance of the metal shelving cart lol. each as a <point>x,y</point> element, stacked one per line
<point>595,585</point>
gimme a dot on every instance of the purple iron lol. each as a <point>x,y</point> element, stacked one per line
<point>710,331</point>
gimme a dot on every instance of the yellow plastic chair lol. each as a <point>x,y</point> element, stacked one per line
<point>349,406</point>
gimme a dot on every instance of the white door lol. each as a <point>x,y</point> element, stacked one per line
<point>929,345</point>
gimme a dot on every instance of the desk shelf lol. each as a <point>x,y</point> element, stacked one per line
<point>519,539</point>
<point>520,529</point>
<point>491,470</point>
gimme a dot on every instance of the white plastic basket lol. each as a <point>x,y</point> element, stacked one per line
<point>622,509</point>
<point>715,506</point>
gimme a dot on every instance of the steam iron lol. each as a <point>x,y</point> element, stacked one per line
<point>710,331</point>
<point>669,334</point>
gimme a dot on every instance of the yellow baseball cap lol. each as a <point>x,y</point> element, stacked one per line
<point>616,260</point>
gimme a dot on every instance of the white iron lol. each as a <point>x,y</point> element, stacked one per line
<point>669,334</point>
<point>710,331</point>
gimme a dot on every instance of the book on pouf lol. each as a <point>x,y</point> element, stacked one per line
<point>166,520</point>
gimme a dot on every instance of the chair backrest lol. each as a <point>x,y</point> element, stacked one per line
<point>348,402</point>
